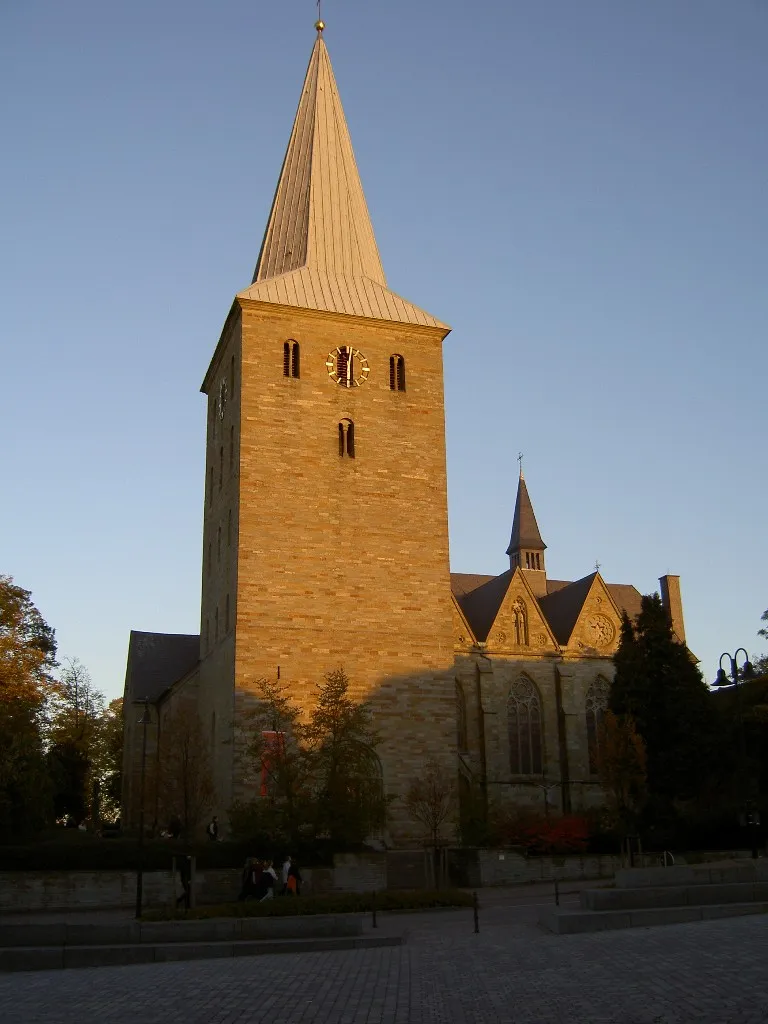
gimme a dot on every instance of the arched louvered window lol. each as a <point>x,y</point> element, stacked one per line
<point>596,705</point>
<point>397,373</point>
<point>291,359</point>
<point>524,723</point>
<point>347,438</point>
<point>461,718</point>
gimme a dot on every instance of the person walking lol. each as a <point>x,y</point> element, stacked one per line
<point>268,881</point>
<point>294,879</point>
<point>185,877</point>
<point>284,873</point>
<point>212,831</point>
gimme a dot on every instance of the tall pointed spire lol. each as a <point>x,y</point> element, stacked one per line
<point>319,249</point>
<point>526,548</point>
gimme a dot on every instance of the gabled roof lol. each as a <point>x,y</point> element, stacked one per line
<point>157,660</point>
<point>481,605</point>
<point>319,249</point>
<point>480,597</point>
<point>562,607</point>
<point>525,529</point>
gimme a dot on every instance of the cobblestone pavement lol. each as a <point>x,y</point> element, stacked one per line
<point>713,972</point>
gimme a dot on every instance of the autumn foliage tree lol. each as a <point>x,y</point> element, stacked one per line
<point>27,664</point>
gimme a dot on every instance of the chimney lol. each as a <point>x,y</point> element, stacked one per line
<point>673,604</point>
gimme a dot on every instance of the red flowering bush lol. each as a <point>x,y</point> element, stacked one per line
<point>540,835</point>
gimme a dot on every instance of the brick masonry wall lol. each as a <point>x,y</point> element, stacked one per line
<point>344,562</point>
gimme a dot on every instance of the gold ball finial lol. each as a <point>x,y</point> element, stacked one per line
<point>319,25</point>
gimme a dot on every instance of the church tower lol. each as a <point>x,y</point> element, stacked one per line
<point>325,531</point>
<point>526,548</point>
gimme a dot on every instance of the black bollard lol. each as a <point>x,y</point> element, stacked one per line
<point>474,910</point>
<point>557,894</point>
<point>373,910</point>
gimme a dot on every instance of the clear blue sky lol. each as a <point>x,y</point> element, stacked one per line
<point>578,188</point>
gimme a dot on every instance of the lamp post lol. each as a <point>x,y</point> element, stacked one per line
<point>144,721</point>
<point>738,675</point>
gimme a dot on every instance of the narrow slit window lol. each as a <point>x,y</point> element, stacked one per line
<point>216,626</point>
<point>291,359</point>
<point>397,373</point>
<point>231,448</point>
<point>347,439</point>
<point>218,544</point>
<point>229,529</point>
<point>221,466</point>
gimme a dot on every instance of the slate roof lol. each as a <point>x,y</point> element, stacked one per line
<point>480,598</point>
<point>319,249</point>
<point>157,660</point>
<point>525,529</point>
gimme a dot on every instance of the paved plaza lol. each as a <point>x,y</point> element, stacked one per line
<point>714,972</point>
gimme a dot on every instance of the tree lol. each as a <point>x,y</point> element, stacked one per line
<point>760,661</point>
<point>317,776</point>
<point>622,768</point>
<point>27,663</point>
<point>76,723</point>
<point>347,776</point>
<point>281,764</point>
<point>658,684</point>
<point>430,800</point>
<point>183,773</point>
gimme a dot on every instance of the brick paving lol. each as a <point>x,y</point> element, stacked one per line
<point>712,972</point>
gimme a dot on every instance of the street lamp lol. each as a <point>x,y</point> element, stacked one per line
<point>743,674</point>
<point>144,721</point>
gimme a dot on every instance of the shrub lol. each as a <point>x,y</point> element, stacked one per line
<point>333,903</point>
<point>77,851</point>
<point>541,835</point>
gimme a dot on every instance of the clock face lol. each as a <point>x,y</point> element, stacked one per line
<point>347,366</point>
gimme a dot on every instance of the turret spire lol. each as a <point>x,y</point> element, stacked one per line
<point>319,249</point>
<point>526,548</point>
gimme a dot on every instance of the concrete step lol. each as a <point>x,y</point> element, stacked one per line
<point>703,874</point>
<point>647,897</point>
<point>563,921</point>
<point>130,933</point>
<point>47,958</point>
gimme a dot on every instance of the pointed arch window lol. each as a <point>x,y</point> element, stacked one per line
<point>520,622</point>
<point>461,718</point>
<point>347,439</point>
<point>397,373</point>
<point>291,359</point>
<point>524,725</point>
<point>596,705</point>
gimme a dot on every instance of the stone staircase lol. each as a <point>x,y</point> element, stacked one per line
<point>675,895</point>
<point>36,947</point>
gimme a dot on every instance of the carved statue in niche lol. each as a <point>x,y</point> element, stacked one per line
<point>520,618</point>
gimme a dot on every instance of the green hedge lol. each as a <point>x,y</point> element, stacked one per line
<point>83,852</point>
<point>333,903</point>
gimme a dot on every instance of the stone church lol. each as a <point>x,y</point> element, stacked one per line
<point>325,539</point>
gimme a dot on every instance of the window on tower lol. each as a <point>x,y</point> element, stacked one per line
<point>221,466</point>
<point>226,615</point>
<point>347,439</point>
<point>397,373</point>
<point>291,359</point>
<point>231,448</point>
